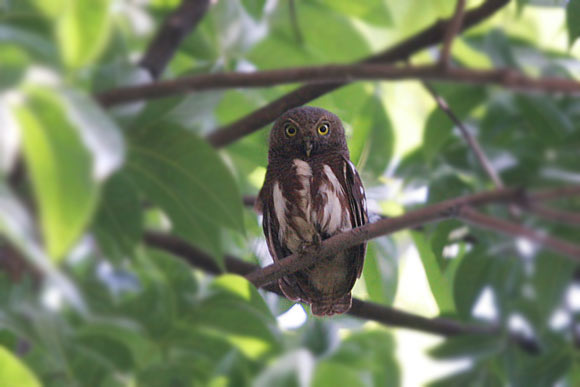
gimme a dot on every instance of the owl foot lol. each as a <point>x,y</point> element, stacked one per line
<point>310,246</point>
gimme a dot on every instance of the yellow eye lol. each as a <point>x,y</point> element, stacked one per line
<point>290,130</point>
<point>323,129</point>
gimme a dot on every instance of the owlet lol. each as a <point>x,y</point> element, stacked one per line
<point>311,192</point>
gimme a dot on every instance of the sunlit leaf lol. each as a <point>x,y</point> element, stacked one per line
<point>61,171</point>
<point>99,132</point>
<point>17,225</point>
<point>330,374</point>
<point>83,31</point>
<point>373,12</point>
<point>14,373</point>
<point>236,309</point>
<point>9,138</point>
<point>380,272</point>
<point>441,287</point>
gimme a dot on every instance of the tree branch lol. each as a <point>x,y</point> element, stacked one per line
<point>361,309</point>
<point>385,315</point>
<point>268,113</point>
<point>554,193</point>
<point>333,245</point>
<point>175,28</point>
<point>560,246</point>
<point>334,74</point>
<point>567,217</point>
<point>469,138</point>
<point>452,30</point>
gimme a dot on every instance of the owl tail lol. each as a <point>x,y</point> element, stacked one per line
<point>332,306</point>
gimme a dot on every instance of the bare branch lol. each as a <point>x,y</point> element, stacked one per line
<point>332,75</point>
<point>385,315</point>
<point>294,22</point>
<point>567,217</point>
<point>476,218</point>
<point>175,28</point>
<point>554,193</point>
<point>333,245</point>
<point>452,30</point>
<point>268,113</point>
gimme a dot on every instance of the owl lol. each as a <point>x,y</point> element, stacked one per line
<point>311,192</point>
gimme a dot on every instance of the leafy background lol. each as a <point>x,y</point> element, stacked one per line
<point>84,302</point>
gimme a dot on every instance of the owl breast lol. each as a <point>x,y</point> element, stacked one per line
<point>310,203</point>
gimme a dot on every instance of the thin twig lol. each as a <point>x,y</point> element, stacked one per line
<point>335,74</point>
<point>452,30</point>
<point>175,28</point>
<point>469,138</point>
<point>294,22</point>
<point>560,246</point>
<point>331,246</point>
<point>268,113</point>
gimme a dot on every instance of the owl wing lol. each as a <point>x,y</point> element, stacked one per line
<point>265,206</point>
<point>355,193</point>
<point>290,285</point>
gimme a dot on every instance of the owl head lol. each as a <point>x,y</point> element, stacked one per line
<point>306,132</point>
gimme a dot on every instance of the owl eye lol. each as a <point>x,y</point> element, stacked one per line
<point>290,130</point>
<point>323,129</point>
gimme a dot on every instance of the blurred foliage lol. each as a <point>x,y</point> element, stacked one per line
<point>88,304</point>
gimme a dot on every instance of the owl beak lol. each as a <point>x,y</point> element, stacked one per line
<point>307,146</point>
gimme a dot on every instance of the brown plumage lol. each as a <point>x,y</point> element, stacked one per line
<point>311,192</point>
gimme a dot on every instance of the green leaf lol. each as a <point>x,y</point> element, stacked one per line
<point>473,346</point>
<point>83,31</point>
<point>37,46</point>
<point>14,373</point>
<point>544,118</point>
<point>320,43</point>
<point>119,221</point>
<point>547,369</point>
<point>60,168</point>
<point>372,11</point>
<point>13,64</point>
<point>380,272</point>
<point>472,377</point>
<point>9,138</point>
<point>438,127</point>
<point>236,312</point>
<point>130,336</point>
<point>17,225</point>
<point>99,132</point>
<point>471,277</point>
<point>373,140</point>
<point>573,21</point>
<point>182,174</point>
<point>551,278</point>
<point>254,7</point>
<point>329,374</point>
<point>441,287</point>
<point>372,353</point>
